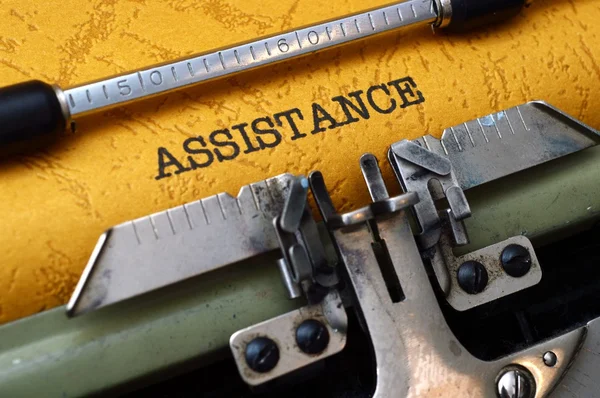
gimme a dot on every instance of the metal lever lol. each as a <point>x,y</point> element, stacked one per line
<point>416,168</point>
<point>426,334</point>
<point>304,264</point>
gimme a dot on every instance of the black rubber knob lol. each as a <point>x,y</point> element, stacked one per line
<point>470,14</point>
<point>29,110</point>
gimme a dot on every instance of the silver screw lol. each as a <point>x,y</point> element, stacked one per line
<point>550,359</point>
<point>515,382</point>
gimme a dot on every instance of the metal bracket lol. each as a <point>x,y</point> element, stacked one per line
<point>427,337</point>
<point>434,363</point>
<point>416,168</point>
<point>474,278</point>
<point>304,265</point>
<point>469,280</point>
<point>490,280</point>
<point>288,349</point>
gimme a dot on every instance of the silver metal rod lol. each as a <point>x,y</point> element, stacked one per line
<point>166,77</point>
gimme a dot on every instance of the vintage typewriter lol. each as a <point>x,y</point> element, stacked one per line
<point>479,279</point>
<point>472,272</point>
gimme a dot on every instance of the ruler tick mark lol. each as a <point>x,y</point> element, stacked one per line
<point>371,20</point>
<point>343,30</point>
<point>205,65</point>
<point>72,101</point>
<point>221,207</point>
<point>222,60</point>
<point>427,144</point>
<point>135,232</point>
<point>356,24</point>
<point>187,217</point>
<point>509,123</point>
<point>170,222</point>
<point>298,38</point>
<point>254,197</point>
<point>189,65</point>
<point>483,131</point>
<point>204,212</point>
<point>237,202</point>
<point>385,18</point>
<point>237,56</point>
<point>443,147</point>
<point>153,227</point>
<point>497,131</point>
<point>252,53</point>
<point>456,139</point>
<point>88,95</point>
<point>174,72</point>
<point>522,120</point>
<point>105,91</point>
<point>469,134</point>
<point>139,75</point>
<point>400,14</point>
<point>412,7</point>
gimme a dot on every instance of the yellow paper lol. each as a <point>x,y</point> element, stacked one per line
<point>56,202</point>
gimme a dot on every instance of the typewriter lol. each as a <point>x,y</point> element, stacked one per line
<point>478,278</point>
<point>471,271</point>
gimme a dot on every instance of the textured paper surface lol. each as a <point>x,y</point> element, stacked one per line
<point>56,203</point>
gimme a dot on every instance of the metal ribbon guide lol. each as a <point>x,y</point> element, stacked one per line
<point>369,260</point>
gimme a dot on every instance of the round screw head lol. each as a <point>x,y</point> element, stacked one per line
<point>550,359</point>
<point>262,354</point>
<point>312,336</point>
<point>515,382</point>
<point>515,260</point>
<point>472,277</point>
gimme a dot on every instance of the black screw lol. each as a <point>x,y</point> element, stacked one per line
<point>472,277</point>
<point>515,260</point>
<point>312,336</point>
<point>262,354</point>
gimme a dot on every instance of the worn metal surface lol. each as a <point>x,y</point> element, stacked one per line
<point>369,167</point>
<point>430,175</point>
<point>282,329</point>
<point>173,245</point>
<point>384,206</point>
<point>294,206</point>
<point>422,157</point>
<point>292,288</point>
<point>481,151</point>
<point>423,357</point>
<point>503,143</point>
<point>582,378</point>
<point>500,283</point>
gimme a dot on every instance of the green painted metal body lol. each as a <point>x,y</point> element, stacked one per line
<point>50,355</point>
